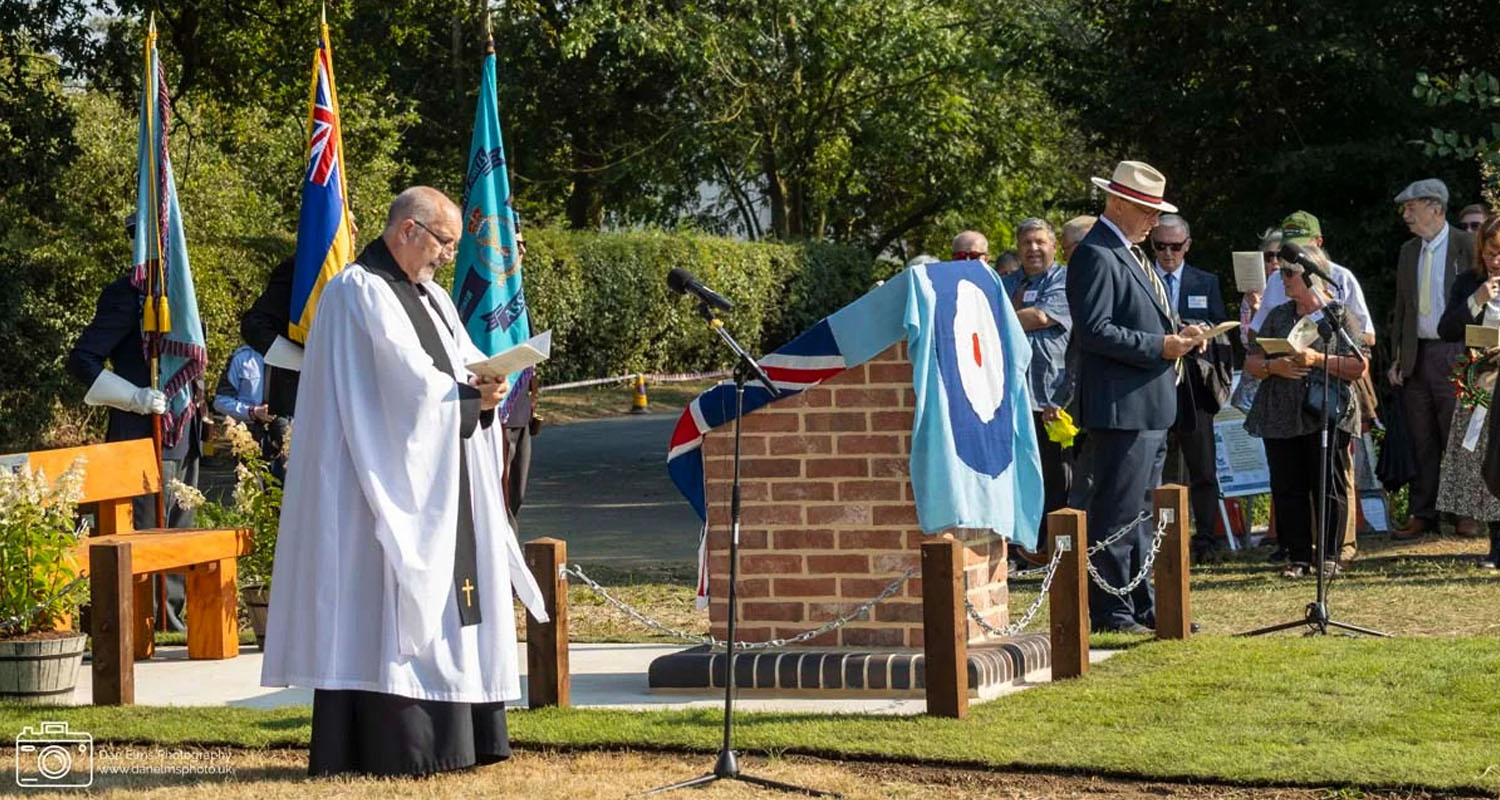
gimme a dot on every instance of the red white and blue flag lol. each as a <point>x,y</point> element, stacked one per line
<point>974,456</point>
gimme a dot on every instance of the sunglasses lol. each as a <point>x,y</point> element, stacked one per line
<point>1272,255</point>
<point>1288,273</point>
<point>1162,247</point>
<point>1470,226</point>
<point>970,255</point>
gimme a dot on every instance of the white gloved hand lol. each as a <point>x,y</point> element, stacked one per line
<point>112,390</point>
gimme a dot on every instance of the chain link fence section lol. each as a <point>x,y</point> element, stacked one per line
<point>1161,532</point>
<point>1031,612</point>
<point>832,625</point>
<point>1115,536</point>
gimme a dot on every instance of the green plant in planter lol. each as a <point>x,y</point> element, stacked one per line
<point>255,504</point>
<point>40,585</point>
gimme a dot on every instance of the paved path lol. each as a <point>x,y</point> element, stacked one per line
<point>604,676</point>
<point>602,486</point>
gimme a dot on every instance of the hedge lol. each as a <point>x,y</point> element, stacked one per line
<point>604,296</point>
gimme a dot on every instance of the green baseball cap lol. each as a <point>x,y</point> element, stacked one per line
<point>1300,228</point>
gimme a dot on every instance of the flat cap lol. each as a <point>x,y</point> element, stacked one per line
<point>1427,188</point>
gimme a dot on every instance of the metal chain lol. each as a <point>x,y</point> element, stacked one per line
<point>1117,535</point>
<point>1161,532</point>
<point>1031,612</point>
<point>832,625</point>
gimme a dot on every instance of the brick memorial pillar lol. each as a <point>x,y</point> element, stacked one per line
<point>829,521</point>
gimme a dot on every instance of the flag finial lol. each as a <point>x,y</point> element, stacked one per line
<point>151,26</point>
<point>324,14</point>
<point>489,32</point>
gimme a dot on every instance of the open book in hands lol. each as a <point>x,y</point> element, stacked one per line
<point>1215,331</point>
<point>529,353</point>
<point>1304,333</point>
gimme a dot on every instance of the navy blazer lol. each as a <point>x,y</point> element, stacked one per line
<point>1119,324</point>
<point>114,335</point>
<point>266,319</point>
<point>1199,283</point>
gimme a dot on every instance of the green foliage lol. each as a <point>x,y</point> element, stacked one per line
<point>39,583</point>
<point>1481,142</point>
<point>604,297</point>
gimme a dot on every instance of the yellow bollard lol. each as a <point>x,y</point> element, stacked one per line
<point>638,396</point>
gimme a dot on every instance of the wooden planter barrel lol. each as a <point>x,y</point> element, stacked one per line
<point>257,600</point>
<point>40,671</point>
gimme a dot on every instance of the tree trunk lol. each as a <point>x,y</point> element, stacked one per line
<point>585,201</point>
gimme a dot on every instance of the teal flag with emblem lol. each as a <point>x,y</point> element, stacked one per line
<point>487,278</point>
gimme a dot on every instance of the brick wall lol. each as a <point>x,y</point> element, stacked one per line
<point>828,518</point>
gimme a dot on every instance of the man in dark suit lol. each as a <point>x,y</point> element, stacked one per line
<point>1129,347</point>
<point>1425,271</point>
<point>1204,387</point>
<point>267,320</point>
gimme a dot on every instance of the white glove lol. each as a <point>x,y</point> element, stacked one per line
<point>112,390</point>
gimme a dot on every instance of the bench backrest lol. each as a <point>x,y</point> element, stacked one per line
<point>113,473</point>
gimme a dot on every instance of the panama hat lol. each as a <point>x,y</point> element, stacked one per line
<point>1138,182</point>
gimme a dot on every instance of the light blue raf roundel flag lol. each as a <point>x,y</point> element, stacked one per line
<point>974,456</point>
<point>487,277</point>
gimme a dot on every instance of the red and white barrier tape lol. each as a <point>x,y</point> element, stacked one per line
<point>653,377</point>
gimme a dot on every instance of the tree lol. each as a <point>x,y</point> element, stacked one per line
<point>862,121</point>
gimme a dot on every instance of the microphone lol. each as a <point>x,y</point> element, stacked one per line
<point>1291,252</point>
<point>681,281</point>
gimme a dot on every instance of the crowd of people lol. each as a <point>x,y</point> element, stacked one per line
<point>1116,315</point>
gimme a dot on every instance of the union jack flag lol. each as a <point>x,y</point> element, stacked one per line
<point>324,153</point>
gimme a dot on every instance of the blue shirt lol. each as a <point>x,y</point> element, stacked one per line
<point>1047,291</point>
<point>245,372</point>
<point>1172,282</point>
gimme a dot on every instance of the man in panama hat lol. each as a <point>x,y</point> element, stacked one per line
<point>1129,342</point>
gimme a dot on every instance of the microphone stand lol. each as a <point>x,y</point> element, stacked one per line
<point>727,766</point>
<point>1316,617</point>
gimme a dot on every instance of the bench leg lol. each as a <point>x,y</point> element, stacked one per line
<point>213,629</point>
<point>111,597</point>
<point>145,629</point>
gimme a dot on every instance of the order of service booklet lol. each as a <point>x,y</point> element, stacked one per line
<point>1249,271</point>
<point>529,353</point>
<point>1304,333</point>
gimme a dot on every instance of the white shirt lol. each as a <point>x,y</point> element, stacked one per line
<point>1346,291</point>
<point>1427,323</point>
<point>1128,244</point>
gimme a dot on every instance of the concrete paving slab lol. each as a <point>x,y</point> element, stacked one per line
<point>604,676</point>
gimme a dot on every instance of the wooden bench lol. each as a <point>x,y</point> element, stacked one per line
<point>120,561</point>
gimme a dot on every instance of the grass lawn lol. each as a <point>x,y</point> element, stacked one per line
<point>1418,713</point>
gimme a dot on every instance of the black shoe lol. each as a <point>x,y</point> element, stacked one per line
<point>1207,554</point>
<point>1279,555</point>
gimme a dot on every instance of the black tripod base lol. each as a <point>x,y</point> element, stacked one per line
<point>1318,624</point>
<point>727,768</point>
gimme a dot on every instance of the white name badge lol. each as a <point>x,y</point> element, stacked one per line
<point>1029,296</point>
<point>1198,301</point>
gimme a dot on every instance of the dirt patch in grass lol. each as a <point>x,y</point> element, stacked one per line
<point>551,775</point>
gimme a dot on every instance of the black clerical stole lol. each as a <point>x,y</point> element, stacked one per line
<point>377,259</point>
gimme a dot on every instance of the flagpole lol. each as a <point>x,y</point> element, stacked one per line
<point>153,284</point>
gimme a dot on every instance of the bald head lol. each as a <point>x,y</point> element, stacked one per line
<point>971,244</point>
<point>421,231</point>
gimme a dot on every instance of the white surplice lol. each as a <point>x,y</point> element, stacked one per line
<point>362,593</point>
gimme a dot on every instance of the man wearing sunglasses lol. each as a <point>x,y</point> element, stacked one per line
<point>1204,387</point>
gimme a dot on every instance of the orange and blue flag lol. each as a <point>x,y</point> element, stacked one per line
<point>171,331</point>
<point>325,234</point>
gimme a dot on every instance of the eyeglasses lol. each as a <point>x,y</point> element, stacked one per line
<point>1162,247</point>
<point>1470,226</point>
<point>1288,273</point>
<point>1272,255</point>
<point>970,255</point>
<point>445,242</point>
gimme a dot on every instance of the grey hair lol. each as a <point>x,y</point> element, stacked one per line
<point>422,203</point>
<point>1175,221</point>
<point>1270,236</point>
<point>1035,224</point>
<point>1319,257</point>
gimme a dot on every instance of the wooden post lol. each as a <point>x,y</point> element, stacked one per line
<point>547,680</point>
<point>1069,601</point>
<point>1173,612</point>
<point>945,628</point>
<point>145,620</point>
<point>111,595</point>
